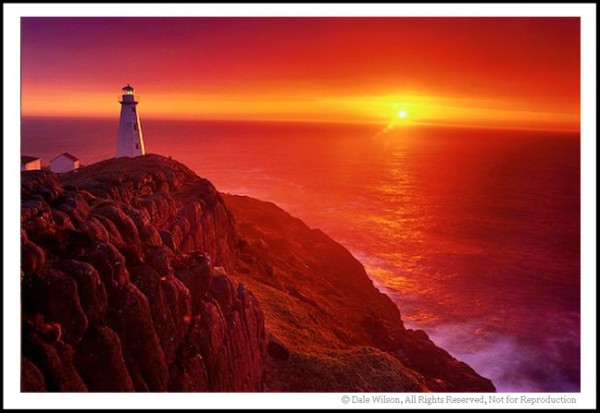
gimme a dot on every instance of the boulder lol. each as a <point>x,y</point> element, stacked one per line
<point>99,359</point>
<point>32,379</point>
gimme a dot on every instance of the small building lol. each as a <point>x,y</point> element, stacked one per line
<point>30,163</point>
<point>64,162</point>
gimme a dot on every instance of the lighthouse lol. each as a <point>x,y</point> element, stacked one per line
<point>130,141</point>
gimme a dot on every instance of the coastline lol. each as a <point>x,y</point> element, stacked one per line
<point>315,323</point>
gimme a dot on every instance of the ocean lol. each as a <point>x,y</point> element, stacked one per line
<point>474,233</point>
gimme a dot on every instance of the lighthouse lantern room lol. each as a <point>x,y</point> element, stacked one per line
<point>130,141</point>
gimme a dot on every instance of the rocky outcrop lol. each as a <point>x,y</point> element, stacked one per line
<point>119,286</point>
<point>136,277</point>
<point>328,327</point>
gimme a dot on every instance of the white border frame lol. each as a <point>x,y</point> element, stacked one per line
<point>12,13</point>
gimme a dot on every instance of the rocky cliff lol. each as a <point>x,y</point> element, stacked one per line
<point>125,283</point>
<point>328,327</point>
<point>136,277</point>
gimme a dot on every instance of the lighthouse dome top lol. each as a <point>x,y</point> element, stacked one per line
<point>128,90</point>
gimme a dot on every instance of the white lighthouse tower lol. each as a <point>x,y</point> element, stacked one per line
<point>131,140</point>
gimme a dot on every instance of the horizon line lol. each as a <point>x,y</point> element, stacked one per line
<point>319,121</point>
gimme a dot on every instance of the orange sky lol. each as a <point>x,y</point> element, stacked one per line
<point>498,72</point>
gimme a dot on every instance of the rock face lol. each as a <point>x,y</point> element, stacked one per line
<point>119,286</point>
<point>328,327</point>
<point>136,277</point>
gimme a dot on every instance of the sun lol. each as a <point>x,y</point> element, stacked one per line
<point>402,114</point>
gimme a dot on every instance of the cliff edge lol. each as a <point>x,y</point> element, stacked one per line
<point>137,275</point>
<point>125,283</point>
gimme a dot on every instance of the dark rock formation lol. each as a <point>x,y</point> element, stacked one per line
<point>117,285</point>
<point>32,379</point>
<point>135,277</point>
<point>99,358</point>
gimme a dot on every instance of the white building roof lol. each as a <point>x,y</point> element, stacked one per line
<point>27,159</point>
<point>65,155</point>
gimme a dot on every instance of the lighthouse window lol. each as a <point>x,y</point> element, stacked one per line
<point>135,126</point>
<point>137,146</point>
<point>132,109</point>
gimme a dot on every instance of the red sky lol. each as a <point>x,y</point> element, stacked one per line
<point>505,72</point>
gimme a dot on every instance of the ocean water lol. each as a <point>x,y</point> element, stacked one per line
<point>475,234</point>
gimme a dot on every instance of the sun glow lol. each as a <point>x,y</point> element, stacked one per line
<point>425,84</point>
